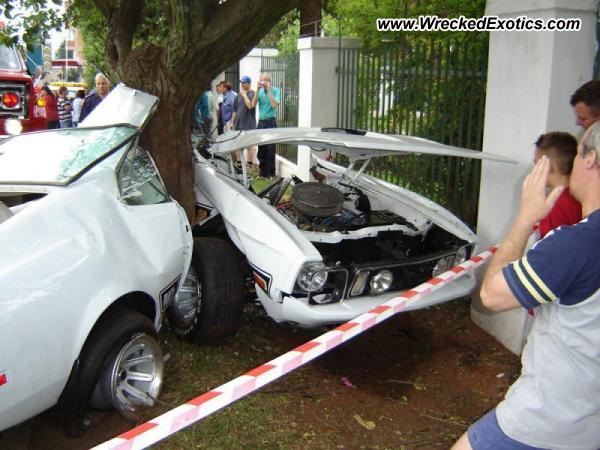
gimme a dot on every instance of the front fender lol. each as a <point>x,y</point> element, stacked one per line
<point>270,242</point>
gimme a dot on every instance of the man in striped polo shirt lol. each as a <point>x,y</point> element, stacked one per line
<point>555,403</point>
<point>63,105</point>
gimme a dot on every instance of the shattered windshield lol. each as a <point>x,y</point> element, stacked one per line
<point>58,156</point>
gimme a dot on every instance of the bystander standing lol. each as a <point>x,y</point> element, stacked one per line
<point>77,104</point>
<point>268,99</point>
<point>555,403</point>
<point>203,113</point>
<point>586,103</point>
<point>244,114</point>
<point>94,98</point>
<point>64,108</point>
<point>560,148</point>
<point>51,108</point>
<point>227,107</point>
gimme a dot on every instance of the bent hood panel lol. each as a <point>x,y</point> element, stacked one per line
<point>355,146</point>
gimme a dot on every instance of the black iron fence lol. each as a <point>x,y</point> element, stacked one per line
<point>232,74</point>
<point>432,89</point>
<point>284,72</point>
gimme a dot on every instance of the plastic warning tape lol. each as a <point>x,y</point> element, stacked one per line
<point>198,408</point>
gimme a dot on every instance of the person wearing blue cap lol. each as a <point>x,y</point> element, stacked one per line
<point>244,112</point>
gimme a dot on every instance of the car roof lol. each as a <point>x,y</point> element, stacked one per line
<point>355,144</point>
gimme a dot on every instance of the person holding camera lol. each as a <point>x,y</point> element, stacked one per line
<point>268,100</point>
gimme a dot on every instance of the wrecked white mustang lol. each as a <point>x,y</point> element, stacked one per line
<point>335,248</point>
<point>92,251</point>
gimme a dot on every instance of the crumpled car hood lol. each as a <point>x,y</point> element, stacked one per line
<point>355,145</point>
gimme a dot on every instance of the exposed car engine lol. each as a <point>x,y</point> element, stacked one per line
<point>319,207</point>
<point>326,208</point>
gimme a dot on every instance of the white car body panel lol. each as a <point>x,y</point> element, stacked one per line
<point>65,259</point>
<point>250,225</point>
<point>278,248</point>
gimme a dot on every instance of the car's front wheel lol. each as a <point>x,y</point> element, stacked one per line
<point>210,302</point>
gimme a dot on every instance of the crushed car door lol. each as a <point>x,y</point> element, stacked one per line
<point>157,223</point>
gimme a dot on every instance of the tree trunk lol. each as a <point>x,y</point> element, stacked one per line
<point>167,138</point>
<point>205,36</point>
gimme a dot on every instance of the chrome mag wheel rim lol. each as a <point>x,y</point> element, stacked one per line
<point>137,375</point>
<point>186,305</point>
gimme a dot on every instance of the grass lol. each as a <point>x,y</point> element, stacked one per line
<point>263,420</point>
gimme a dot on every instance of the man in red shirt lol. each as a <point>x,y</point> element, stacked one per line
<point>561,149</point>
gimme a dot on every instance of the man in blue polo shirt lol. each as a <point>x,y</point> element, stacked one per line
<point>555,403</point>
<point>268,100</point>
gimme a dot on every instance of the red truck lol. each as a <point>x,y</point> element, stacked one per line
<point>18,98</point>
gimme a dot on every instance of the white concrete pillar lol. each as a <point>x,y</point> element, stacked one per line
<point>531,77</point>
<point>318,87</point>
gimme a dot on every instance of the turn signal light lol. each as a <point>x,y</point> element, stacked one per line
<point>10,99</point>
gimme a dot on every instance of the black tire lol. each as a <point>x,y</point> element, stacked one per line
<point>114,330</point>
<point>221,303</point>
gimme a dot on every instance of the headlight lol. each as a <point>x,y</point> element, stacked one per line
<point>381,282</point>
<point>442,265</point>
<point>13,126</point>
<point>462,254</point>
<point>312,276</point>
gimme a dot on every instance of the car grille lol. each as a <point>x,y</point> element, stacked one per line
<point>21,108</point>
<point>407,274</point>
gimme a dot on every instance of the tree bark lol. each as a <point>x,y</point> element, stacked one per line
<point>205,37</point>
<point>167,137</point>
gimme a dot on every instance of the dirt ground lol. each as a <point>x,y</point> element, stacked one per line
<point>414,382</point>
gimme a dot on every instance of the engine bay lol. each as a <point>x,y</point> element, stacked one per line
<point>319,207</point>
<point>343,207</point>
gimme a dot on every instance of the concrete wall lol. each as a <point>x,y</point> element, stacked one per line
<point>531,76</point>
<point>318,88</point>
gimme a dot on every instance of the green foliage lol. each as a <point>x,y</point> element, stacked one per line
<point>360,17</point>
<point>60,52</point>
<point>27,23</point>
<point>271,40</point>
<point>94,29</point>
<point>357,18</point>
<point>432,89</point>
<point>288,37</point>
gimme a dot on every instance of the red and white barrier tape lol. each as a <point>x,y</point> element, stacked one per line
<point>198,408</point>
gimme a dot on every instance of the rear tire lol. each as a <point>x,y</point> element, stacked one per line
<point>220,302</point>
